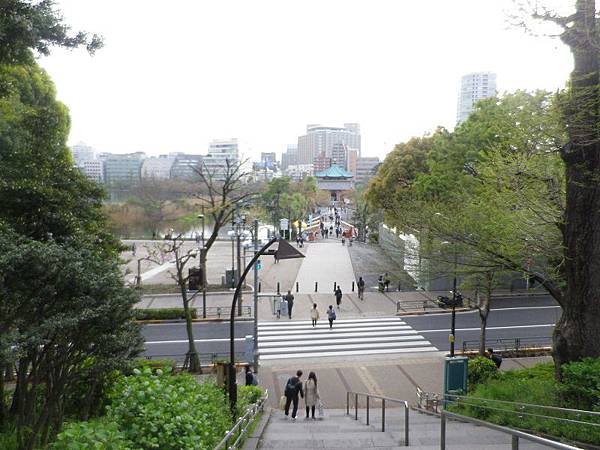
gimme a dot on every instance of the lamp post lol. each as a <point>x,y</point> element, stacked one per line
<point>285,251</point>
<point>202,266</point>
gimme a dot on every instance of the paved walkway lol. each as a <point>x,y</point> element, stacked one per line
<point>327,262</point>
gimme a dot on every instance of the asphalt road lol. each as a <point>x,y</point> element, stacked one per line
<point>510,317</point>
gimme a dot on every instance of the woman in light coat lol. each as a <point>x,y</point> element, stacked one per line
<point>314,315</point>
<point>311,394</point>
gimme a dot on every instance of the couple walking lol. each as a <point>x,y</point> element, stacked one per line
<point>314,315</point>
<point>307,390</point>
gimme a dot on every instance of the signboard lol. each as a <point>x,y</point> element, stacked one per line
<point>283,224</point>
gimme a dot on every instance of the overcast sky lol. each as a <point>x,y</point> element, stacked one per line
<point>174,75</point>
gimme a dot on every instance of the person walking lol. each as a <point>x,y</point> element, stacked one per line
<point>250,377</point>
<point>311,395</point>
<point>293,387</point>
<point>495,357</point>
<point>314,315</point>
<point>289,297</point>
<point>361,288</point>
<point>331,316</point>
<point>338,297</point>
<point>386,282</point>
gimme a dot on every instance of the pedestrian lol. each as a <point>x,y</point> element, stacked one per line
<point>338,297</point>
<point>497,359</point>
<point>289,298</point>
<point>314,315</point>
<point>250,377</point>
<point>133,249</point>
<point>386,282</point>
<point>311,395</point>
<point>380,285</point>
<point>331,316</point>
<point>343,240</point>
<point>293,387</point>
<point>361,288</point>
<point>301,241</point>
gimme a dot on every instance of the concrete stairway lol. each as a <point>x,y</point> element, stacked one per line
<point>337,430</point>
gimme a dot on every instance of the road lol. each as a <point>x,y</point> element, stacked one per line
<point>509,318</point>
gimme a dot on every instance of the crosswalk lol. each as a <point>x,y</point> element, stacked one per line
<point>349,337</point>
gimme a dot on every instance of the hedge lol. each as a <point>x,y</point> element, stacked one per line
<point>163,313</point>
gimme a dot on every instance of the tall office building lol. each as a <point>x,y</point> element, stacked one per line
<point>289,157</point>
<point>123,169</point>
<point>365,169</point>
<point>186,166</point>
<point>319,139</point>
<point>158,168</point>
<point>474,87</point>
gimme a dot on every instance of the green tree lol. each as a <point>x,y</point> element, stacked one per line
<point>40,190</point>
<point>67,318</point>
<point>36,25</point>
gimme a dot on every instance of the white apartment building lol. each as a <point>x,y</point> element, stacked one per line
<point>221,152</point>
<point>364,169</point>
<point>158,168</point>
<point>298,172</point>
<point>474,87</point>
<point>92,169</point>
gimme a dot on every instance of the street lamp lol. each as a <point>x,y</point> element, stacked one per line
<point>452,337</point>
<point>202,266</point>
<point>284,251</point>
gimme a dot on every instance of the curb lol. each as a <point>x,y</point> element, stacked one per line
<point>156,321</point>
<point>253,439</point>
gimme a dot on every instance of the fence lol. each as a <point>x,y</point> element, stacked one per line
<point>510,344</point>
<point>240,429</point>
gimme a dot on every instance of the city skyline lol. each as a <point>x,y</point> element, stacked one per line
<point>266,78</point>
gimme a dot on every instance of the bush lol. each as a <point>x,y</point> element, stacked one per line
<point>373,237</point>
<point>95,434</point>
<point>580,387</point>
<point>167,412</point>
<point>163,314</point>
<point>480,370</point>
<point>248,395</point>
<point>166,365</point>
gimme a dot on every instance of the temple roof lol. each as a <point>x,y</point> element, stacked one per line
<point>334,172</point>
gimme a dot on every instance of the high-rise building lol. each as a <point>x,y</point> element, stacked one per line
<point>290,156</point>
<point>474,87</point>
<point>158,168</point>
<point>365,169</point>
<point>321,162</point>
<point>123,169</point>
<point>320,139</point>
<point>268,160</point>
<point>222,153</point>
<point>352,158</point>
<point>82,152</point>
<point>339,155</point>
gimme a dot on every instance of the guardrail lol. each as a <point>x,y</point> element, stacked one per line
<point>522,411</point>
<point>516,435</point>
<point>383,400</point>
<point>240,428</point>
<point>510,344</point>
<point>205,358</point>
<point>415,305</point>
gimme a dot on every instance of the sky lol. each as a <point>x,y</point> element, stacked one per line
<point>173,75</point>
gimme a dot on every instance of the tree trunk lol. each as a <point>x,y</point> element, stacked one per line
<point>483,305</point>
<point>193,354</point>
<point>576,334</point>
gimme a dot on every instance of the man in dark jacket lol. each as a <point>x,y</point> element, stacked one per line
<point>293,387</point>
<point>290,300</point>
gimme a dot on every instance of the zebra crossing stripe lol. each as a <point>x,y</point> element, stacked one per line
<point>336,330</point>
<point>348,353</point>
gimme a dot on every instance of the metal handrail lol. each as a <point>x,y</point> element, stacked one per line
<point>514,433</point>
<point>242,424</point>
<point>464,399</point>
<point>510,344</point>
<point>383,400</point>
<point>431,400</point>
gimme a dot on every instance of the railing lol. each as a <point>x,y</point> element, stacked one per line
<point>510,344</point>
<point>445,415</point>
<point>239,430</point>
<point>520,412</point>
<point>224,311</point>
<point>414,305</point>
<point>205,358</point>
<point>383,400</point>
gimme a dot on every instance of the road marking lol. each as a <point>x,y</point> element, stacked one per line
<point>344,335</point>
<point>414,336</point>
<point>420,341</point>
<point>287,323</point>
<point>288,332</point>
<point>447,330</point>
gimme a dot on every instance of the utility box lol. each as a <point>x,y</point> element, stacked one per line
<point>456,369</point>
<point>230,276</point>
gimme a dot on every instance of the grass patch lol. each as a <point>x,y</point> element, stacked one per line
<point>537,386</point>
<point>163,313</point>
